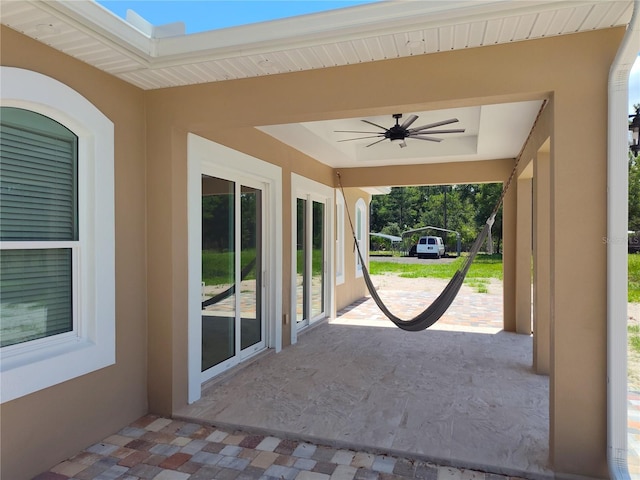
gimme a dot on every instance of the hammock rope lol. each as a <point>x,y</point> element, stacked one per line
<point>439,306</point>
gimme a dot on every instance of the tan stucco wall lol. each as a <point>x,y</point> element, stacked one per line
<point>571,70</point>
<point>353,287</point>
<point>171,114</point>
<point>43,428</point>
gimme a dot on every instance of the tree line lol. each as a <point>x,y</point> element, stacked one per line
<point>634,193</point>
<point>461,208</point>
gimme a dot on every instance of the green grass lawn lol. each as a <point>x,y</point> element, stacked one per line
<point>483,268</point>
<point>218,267</point>
<point>634,337</point>
<point>634,277</point>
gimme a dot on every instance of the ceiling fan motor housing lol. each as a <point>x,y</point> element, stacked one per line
<point>396,133</point>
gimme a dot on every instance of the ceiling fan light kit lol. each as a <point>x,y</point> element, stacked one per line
<point>398,133</point>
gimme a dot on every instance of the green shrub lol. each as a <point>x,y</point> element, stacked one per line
<point>634,338</point>
<point>634,277</point>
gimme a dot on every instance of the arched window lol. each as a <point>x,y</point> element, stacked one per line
<point>57,278</point>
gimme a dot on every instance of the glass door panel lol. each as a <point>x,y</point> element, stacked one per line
<point>301,260</point>
<point>317,260</point>
<point>218,271</point>
<point>250,267</point>
<point>310,260</point>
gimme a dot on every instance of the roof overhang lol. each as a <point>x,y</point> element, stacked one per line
<point>155,58</point>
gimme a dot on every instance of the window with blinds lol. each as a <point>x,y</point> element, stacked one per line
<point>38,226</point>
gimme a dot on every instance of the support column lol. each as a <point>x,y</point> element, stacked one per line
<point>509,209</point>
<point>523,256</point>
<point>578,374</point>
<point>542,263</point>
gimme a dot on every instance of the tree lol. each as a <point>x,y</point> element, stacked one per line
<point>634,192</point>
<point>486,199</point>
<point>634,188</point>
<point>462,208</point>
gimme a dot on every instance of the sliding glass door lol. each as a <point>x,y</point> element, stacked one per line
<point>317,259</point>
<point>251,323</point>
<point>310,260</point>
<point>232,272</point>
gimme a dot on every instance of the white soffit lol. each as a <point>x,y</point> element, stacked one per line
<point>365,33</point>
<point>491,131</point>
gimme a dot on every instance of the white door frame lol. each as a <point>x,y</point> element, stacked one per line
<point>205,156</point>
<point>240,181</point>
<point>310,190</point>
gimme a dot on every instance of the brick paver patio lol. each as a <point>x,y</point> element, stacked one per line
<point>163,449</point>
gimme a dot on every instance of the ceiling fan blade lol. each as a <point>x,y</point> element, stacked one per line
<point>453,130</point>
<point>409,121</point>
<point>381,140</point>
<point>429,139</point>
<point>356,131</point>
<point>374,124</point>
<point>433,125</point>
<point>361,138</point>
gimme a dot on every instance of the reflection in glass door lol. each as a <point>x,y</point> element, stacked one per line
<point>301,263</point>
<point>310,261</point>
<point>218,271</point>
<point>232,318</point>
<point>317,260</point>
<point>250,267</point>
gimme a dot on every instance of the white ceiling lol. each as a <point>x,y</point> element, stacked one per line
<point>157,57</point>
<point>491,132</point>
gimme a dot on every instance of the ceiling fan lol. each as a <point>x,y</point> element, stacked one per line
<point>399,133</point>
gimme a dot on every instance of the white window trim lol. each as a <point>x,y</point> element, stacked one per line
<point>340,219</point>
<point>229,163</point>
<point>305,188</point>
<point>362,242</point>
<point>36,366</point>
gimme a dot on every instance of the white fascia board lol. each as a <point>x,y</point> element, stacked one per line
<point>344,25</point>
<point>386,17</point>
<point>95,20</point>
<point>313,29</point>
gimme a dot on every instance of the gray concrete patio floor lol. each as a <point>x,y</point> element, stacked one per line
<point>462,393</point>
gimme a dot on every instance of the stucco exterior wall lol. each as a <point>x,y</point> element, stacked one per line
<point>43,428</point>
<point>353,287</point>
<point>571,71</point>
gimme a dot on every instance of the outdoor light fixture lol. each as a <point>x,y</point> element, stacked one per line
<point>634,128</point>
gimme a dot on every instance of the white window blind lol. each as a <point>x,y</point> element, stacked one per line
<point>37,178</point>
<point>36,297</point>
<point>38,203</point>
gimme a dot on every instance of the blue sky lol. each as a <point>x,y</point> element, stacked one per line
<point>203,15</point>
<point>634,85</point>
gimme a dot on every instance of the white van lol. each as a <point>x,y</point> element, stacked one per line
<point>430,246</point>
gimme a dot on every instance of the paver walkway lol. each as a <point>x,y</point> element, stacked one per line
<point>162,449</point>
